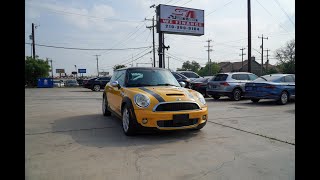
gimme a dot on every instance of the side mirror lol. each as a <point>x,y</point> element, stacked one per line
<point>182,84</point>
<point>115,84</point>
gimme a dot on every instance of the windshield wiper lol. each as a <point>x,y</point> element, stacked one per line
<point>166,84</point>
<point>138,85</point>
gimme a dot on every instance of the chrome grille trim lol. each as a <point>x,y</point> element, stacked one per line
<point>155,107</point>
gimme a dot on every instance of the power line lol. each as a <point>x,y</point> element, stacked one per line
<point>271,15</point>
<point>185,3</point>
<point>228,3</point>
<point>130,59</point>
<point>87,49</point>
<point>284,12</point>
<point>92,17</point>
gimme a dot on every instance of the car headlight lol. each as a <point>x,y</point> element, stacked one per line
<point>141,100</point>
<point>201,98</point>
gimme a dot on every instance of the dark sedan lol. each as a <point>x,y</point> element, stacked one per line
<point>95,84</point>
<point>280,87</point>
<point>182,78</point>
<point>200,85</point>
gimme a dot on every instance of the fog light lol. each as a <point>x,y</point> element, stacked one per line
<point>204,117</point>
<point>144,120</point>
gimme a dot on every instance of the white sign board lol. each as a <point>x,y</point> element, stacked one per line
<point>181,20</point>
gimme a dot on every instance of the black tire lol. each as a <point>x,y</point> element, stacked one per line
<point>132,123</point>
<point>200,126</point>
<point>216,97</point>
<point>255,100</point>
<point>283,99</point>
<point>205,94</point>
<point>236,94</point>
<point>96,87</point>
<point>105,110</point>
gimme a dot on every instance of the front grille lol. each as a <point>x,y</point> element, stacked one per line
<point>169,123</point>
<point>178,106</point>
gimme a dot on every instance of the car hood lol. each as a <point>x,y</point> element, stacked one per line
<point>165,94</point>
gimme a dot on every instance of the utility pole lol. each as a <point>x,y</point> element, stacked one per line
<point>267,59</point>
<point>132,61</point>
<point>33,43</point>
<point>249,35</point>
<point>242,56</point>
<point>75,66</point>
<point>209,60</point>
<point>262,38</point>
<point>168,62</point>
<point>97,64</point>
<point>154,53</point>
<point>51,68</point>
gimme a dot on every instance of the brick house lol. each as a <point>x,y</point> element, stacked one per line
<point>237,67</point>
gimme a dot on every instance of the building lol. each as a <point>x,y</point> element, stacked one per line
<point>237,67</point>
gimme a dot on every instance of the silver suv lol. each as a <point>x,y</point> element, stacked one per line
<point>229,84</point>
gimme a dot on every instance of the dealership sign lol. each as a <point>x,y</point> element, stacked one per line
<point>82,70</point>
<point>60,71</point>
<point>180,20</point>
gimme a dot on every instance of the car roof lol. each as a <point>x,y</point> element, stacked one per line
<point>132,68</point>
<point>230,73</point>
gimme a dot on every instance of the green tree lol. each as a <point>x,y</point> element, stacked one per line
<point>190,66</point>
<point>34,69</point>
<point>204,71</point>
<point>119,66</point>
<point>271,71</point>
<point>286,57</point>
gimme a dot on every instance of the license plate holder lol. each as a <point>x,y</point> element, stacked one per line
<point>180,118</point>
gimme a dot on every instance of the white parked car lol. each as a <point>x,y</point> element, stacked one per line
<point>58,83</point>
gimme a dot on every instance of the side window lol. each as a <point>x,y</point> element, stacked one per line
<point>235,76</point>
<point>114,76</point>
<point>176,76</point>
<point>282,79</point>
<point>288,79</point>
<point>243,76</point>
<point>252,77</point>
<point>120,77</point>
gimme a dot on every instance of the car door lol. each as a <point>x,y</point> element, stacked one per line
<point>114,93</point>
<point>243,79</point>
<point>111,91</point>
<point>118,92</point>
<point>290,85</point>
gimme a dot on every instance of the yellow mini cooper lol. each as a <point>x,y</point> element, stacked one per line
<point>152,98</point>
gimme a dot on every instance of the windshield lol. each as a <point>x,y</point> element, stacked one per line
<point>151,77</point>
<point>190,74</point>
<point>202,80</point>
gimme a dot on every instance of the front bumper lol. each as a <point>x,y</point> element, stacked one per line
<point>160,119</point>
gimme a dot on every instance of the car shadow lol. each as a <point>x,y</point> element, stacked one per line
<point>262,102</point>
<point>222,99</point>
<point>89,90</point>
<point>95,130</point>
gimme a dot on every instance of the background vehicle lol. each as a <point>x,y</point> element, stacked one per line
<point>95,84</point>
<point>280,87</point>
<point>189,74</point>
<point>229,84</point>
<point>200,85</point>
<point>58,83</point>
<point>80,82</point>
<point>71,83</point>
<point>182,78</point>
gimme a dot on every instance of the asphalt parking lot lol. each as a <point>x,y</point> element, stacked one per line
<point>66,137</point>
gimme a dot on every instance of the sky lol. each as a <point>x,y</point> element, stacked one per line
<point>121,24</point>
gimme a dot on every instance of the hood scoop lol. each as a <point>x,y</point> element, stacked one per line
<point>175,94</point>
